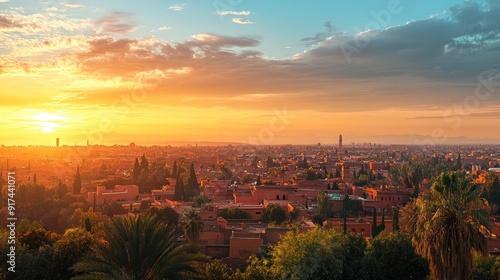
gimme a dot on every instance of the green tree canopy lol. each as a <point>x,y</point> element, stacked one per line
<point>311,175</point>
<point>491,190</point>
<point>217,270</point>
<point>325,205</point>
<point>259,182</point>
<point>273,213</point>
<point>36,238</point>
<point>485,268</point>
<point>303,164</point>
<point>319,219</point>
<point>61,190</point>
<point>234,213</point>
<point>393,257</point>
<point>294,214</point>
<point>140,248</point>
<point>318,254</point>
<point>75,244</point>
<point>200,200</point>
<point>165,215</point>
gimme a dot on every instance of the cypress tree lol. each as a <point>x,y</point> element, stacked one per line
<point>179,189</point>
<point>175,173</point>
<point>458,166</point>
<point>304,163</point>
<point>395,219</point>
<point>77,184</point>
<point>346,204</point>
<point>374,223</point>
<point>88,225</point>
<point>381,227</point>
<point>192,185</point>
<point>61,190</point>
<point>270,162</point>
<point>144,163</point>
<point>137,170</point>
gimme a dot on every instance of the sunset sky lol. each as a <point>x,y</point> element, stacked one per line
<point>260,72</point>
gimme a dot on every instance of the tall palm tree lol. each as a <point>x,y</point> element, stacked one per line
<point>449,222</point>
<point>191,225</point>
<point>140,248</point>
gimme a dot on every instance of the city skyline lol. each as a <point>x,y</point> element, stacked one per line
<point>389,72</point>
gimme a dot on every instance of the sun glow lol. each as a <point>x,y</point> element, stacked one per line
<point>47,122</point>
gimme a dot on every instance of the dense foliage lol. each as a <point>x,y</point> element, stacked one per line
<point>448,224</point>
<point>234,213</point>
<point>273,213</point>
<point>140,248</point>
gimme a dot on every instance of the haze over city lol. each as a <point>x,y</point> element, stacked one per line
<point>159,72</point>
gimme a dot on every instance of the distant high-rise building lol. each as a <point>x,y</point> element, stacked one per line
<point>57,142</point>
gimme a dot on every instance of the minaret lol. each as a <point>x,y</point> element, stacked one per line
<point>340,143</point>
<point>340,147</point>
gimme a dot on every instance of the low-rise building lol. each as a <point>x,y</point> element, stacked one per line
<point>118,193</point>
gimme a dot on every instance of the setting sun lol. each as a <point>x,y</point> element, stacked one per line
<point>47,122</point>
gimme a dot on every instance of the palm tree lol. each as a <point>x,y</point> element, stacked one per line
<point>191,225</point>
<point>490,179</point>
<point>140,248</point>
<point>449,222</point>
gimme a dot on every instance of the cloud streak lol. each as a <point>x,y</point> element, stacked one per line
<point>71,5</point>
<point>116,22</point>
<point>242,21</point>
<point>233,13</point>
<point>176,8</point>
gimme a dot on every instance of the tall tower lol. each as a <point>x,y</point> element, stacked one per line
<point>340,147</point>
<point>57,142</point>
<point>340,143</point>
